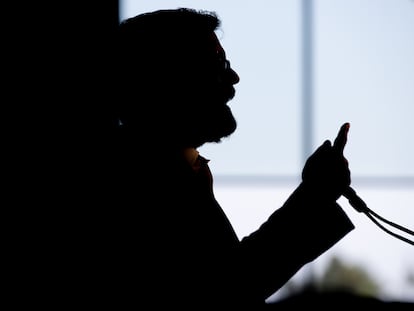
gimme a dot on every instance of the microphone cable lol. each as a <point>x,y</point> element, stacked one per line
<point>358,204</point>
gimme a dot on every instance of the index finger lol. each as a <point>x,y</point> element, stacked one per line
<point>341,138</point>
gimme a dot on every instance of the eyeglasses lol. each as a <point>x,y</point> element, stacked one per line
<point>224,64</point>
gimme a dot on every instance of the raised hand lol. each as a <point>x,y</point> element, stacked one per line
<point>326,171</point>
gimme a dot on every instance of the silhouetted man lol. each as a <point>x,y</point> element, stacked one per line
<point>167,241</point>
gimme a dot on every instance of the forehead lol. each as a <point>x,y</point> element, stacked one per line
<point>218,49</point>
<point>205,50</point>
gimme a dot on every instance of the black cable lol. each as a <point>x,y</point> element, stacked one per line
<point>356,202</point>
<point>389,231</point>
<point>390,222</point>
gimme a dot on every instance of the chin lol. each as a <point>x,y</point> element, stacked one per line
<point>223,127</point>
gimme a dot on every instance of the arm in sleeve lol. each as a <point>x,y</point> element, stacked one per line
<point>295,234</point>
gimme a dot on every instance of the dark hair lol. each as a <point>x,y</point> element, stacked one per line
<point>180,18</point>
<point>159,55</point>
<point>163,37</point>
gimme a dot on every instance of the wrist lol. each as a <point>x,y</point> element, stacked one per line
<point>312,192</point>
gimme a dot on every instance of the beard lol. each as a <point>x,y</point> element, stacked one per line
<point>224,125</point>
<point>217,120</point>
<point>213,126</point>
<point>198,120</point>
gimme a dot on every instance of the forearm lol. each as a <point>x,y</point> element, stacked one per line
<point>302,229</point>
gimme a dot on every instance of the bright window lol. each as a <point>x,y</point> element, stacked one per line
<point>362,73</point>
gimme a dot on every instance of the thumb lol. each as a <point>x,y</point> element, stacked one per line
<point>326,145</point>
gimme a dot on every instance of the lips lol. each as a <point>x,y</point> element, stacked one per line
<point>228,93</point>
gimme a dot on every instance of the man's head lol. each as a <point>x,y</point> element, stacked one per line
<point>175,80</point>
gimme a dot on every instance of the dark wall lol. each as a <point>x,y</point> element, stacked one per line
<point>57,85</point>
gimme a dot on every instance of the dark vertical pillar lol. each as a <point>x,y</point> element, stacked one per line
<point>307,78</point>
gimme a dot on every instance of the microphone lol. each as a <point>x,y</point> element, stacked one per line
<point>355,201</point>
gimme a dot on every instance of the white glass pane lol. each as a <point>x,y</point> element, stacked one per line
<point>261,39</point>
<point>364,60</point>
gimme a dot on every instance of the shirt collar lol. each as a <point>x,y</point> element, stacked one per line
<point>191,155</point>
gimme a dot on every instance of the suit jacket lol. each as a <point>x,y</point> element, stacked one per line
<point>170,243</point>
<point>145,232</point>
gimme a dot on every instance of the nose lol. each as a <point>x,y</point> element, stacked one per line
<point>233,76</point>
